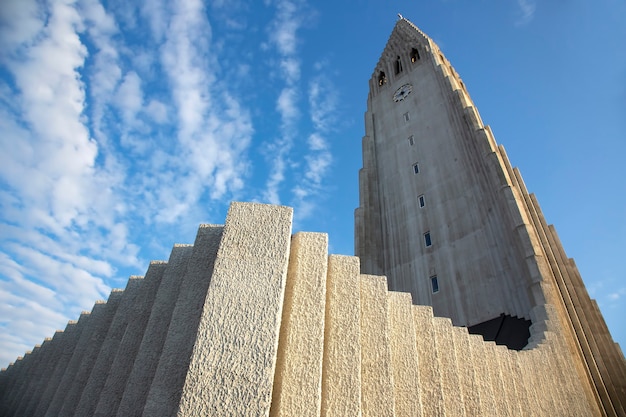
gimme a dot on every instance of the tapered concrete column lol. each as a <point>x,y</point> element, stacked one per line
<point>46,368</point>
<point>298,377</point>
<point>468,377</point>
<point>497,378</point>
<point>341,372</point>
<point>483,382</point>
<point>169,378</point>
<point>119,369</point>
<point>110,345</point>
<point>67,345</point>
<point>447,361</point>
<point>431,390</point>
<point>404,356</point>
<point>376,365</point>
<point>86,352</point>
<point>128,399</point>
<point>30,371</point>
<point>232,366</point>
<point>89,322</point>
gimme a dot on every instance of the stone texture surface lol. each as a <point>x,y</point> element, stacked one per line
<point>298,377</point>
<point>231,371</point>
<point>341,371</point>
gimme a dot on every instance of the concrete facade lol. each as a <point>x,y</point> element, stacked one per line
<point>444,216</point>
<point>252,320</point>
<point>282,328</point>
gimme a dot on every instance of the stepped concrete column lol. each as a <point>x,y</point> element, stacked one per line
<point>404,356</point>
<point>167,384</point>
<point>20,370</point>
<point>68,394</point>
<point>109,347</point>
<point>140,378</point>
<point>341,370</point>
<point>482,373</point>
<point>298,378</point>
<point>448,365</point>
<point>66,349</point>
<point>30,371</point>
<point>39,383</point>
<point>468,377</point>
<point>431,389</point>
<point>122,364</point>
<point>231,371</point>
<point>377,399</point>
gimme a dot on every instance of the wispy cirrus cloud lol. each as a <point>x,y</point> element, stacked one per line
<point>527,11</point>
<point>51,187</point>
<point>283,36</point>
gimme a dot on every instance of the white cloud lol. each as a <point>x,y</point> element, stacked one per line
<point>527,9</point>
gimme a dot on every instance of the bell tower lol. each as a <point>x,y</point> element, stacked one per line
<point>436,215</point>
<point>444,215</point>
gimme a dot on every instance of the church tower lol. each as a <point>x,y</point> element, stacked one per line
<point>444,216</point>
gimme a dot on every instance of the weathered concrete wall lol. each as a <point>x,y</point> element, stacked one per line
<point>281,328</point>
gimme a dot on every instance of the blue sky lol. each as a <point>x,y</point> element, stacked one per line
<point>125,124</point>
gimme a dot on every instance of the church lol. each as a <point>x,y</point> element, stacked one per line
<point>459,301</point>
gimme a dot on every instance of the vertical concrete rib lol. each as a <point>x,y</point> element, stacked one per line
<point>67,346</point>
<point>110,345</point>
<point>128,399</point>
<point>447,361</point>
<point>31,372</point>
<point>376,366</point>
<point>122,363</point>
<point>231,371</point>
<point>85,354</point>
<point>167,384</point>
<point>89,322</point>
<point>404,356</point>
<point>468,380</point>
<point>498,378</point>
<point>298,377</point>
<point>482,374</point>
<point>46,368</point>
<point>431,389</point>
<point>341,371</point>
<point>21,369</point>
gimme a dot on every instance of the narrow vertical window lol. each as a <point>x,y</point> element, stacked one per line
<point>421,200</point>
<point>434,283</point>
<point>427,240</point>
<point>411,140</point>
<point>416,168</point>
<point>406,117</point>
<point>415,55</point>
<point>382,79</point>
<point>398,66</point>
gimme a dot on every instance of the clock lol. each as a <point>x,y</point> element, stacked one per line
<point>402,92</point>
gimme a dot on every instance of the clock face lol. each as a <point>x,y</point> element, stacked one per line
<point>402,92</point>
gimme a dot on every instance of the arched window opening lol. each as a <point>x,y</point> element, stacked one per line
<point>415,55</point>
<point>398,66</point>
<point>382,79</point>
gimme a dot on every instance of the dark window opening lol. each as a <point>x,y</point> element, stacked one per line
<point>415,55</point>
<point>434,283</point>
<point>427,241</point>
<point>406,117</point>
<point>421,200</point>
<point>382,79</point>
<point>398,66</point>
<point>411,140</point>
<point>416,168</point>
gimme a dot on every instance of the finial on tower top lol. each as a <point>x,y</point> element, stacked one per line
<point>400,16</point>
